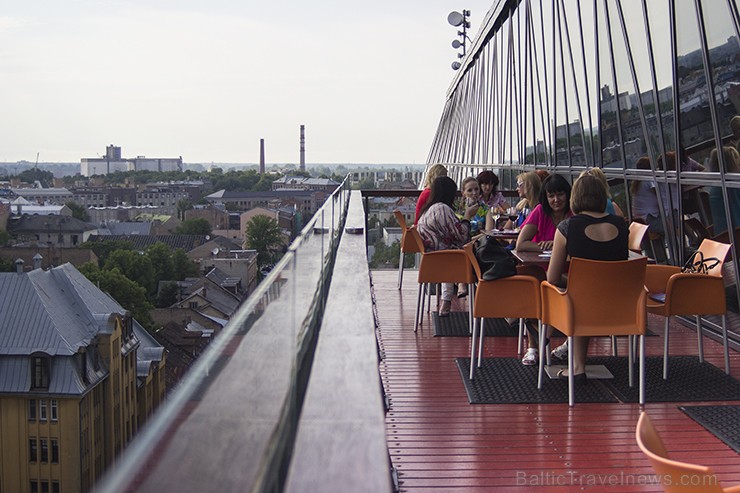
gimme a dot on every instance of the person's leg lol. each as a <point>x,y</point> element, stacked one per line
<point>448,290</point>
<point>579,355</point>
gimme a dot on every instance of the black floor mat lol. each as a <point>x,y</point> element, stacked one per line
<point>456,325</point>
<point>507,381</point>
<point>722,421</point>
<point>688,380</point>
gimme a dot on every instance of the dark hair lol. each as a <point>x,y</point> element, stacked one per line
<point>588,194</point>
<point>554,184</point>
<point>443,190</point>
<point>488,176</point>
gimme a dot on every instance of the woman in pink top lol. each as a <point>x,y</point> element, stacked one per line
<point>435,171</point>
<point>538,230</point>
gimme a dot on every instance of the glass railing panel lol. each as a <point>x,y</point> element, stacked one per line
<point>251,377</point>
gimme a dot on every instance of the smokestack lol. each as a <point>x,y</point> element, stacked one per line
<point>19,265</point>
<point>262,156</point>
<point>303,148</point>
<point>37,261</point>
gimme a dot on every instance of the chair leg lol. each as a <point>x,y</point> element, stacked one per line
<point>481,338</point>
<point>419,307</point>
<point>400,271</point>
<point>665,349</point>
<point>421,313</point>
<point>726,343</point>
<point>543,349</point>
<point>615,351</point>
<point>571,369</point>
<point>630,361</point>
<point>471,298</point>
<point>700,339</point>
<point>472,346</point>
<point>642,369</point>
<point>520,342</point>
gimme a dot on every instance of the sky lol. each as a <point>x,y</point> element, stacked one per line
<point>206,80</point>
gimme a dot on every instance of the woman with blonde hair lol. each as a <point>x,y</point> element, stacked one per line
<point>611,206</point>
<point>716,200</point>
<point>432,173</point>
<point>528,187</point>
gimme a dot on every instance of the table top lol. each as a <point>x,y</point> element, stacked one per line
<point>542,258</point>
<point>503,234</point>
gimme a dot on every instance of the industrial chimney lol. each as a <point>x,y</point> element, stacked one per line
<point>262,156</point>
<point>303,148</point>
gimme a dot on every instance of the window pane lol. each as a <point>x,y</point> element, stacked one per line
<point>42,409</point>
<point>54,450</point>
<point>44,450</point>
<point>32,409</point>
<point>53,409</point>
<point>32,452</point>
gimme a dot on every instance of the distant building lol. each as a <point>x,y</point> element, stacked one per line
<point>78,378</point>
<point>304,201</point>
<point>59,231</point>
<point>113,162</point>
<point>55,196</point>
<point>288,182</point>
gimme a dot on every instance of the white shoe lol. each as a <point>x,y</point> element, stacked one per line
<point>530,357</point>
<point>560,353</point>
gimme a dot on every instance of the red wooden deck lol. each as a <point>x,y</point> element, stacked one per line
<point>438,441</point>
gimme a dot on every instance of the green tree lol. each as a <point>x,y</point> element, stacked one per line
<point>388,256</point>
<point>161,257</point>
<point>135,266</point>
<point>182,206</point>
<point>168,295</point>
<point>78,211</point>
<point>126,292</point>
<point>6,265</point>
<point>197,226</point>
<point>4,237</point>
<point>182,265</point>
<point>46,178</point>
<point>103,249</point>
<point>263,234</point>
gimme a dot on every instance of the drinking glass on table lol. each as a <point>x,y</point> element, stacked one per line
<point>495,214</point>
<point>513,216</point>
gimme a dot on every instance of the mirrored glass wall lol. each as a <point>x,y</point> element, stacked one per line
<point>649,91</point>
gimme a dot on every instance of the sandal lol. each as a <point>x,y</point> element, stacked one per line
<point>444,310</point>
<point>577,378</point>
<point>463,293</point>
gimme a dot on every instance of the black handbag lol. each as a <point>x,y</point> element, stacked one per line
<point>697,264</point>
<point>494,260</point>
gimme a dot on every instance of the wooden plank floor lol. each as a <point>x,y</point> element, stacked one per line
<point>438,441</point>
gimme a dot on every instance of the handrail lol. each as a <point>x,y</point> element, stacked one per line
<point>236,411</point>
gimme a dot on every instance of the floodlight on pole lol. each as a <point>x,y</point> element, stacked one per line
<point>457,19</point>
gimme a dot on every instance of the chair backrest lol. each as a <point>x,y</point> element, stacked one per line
<point>608,296</point>
<point>400,219</point>
<point>416,238</point>
<point>674,476</point>
<point>637,232</point>
<point>710,248</point>
<point>408,244</point>
<point>468,249</point>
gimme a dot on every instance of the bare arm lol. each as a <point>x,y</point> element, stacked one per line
<point>524,241</point>
<point>556,269</point>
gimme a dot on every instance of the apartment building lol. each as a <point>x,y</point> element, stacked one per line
<point>78,378</point>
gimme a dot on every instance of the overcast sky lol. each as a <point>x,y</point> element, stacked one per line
<point>206,80</point>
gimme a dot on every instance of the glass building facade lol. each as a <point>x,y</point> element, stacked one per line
<point>649,91</point>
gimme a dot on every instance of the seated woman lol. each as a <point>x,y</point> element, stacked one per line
<point>433,172</point>
<point>538,231</point>
<point>440,228</point>
<point>489,193</point>
<point>591,234</point>
<point>528,187</point>
<point>470,191</point>
<point>611,206</point>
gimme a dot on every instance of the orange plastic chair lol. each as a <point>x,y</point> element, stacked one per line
<point>515,297</point>
<point>637,232</point>
<point>690,294</point>
<point>408,244</point>
<point>602,299</point>
<point>676,477</point>
<point>442,266</point>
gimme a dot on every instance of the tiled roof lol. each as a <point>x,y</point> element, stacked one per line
<point>142,242</point>
<point>48,223</point>
<point>225,194</point>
